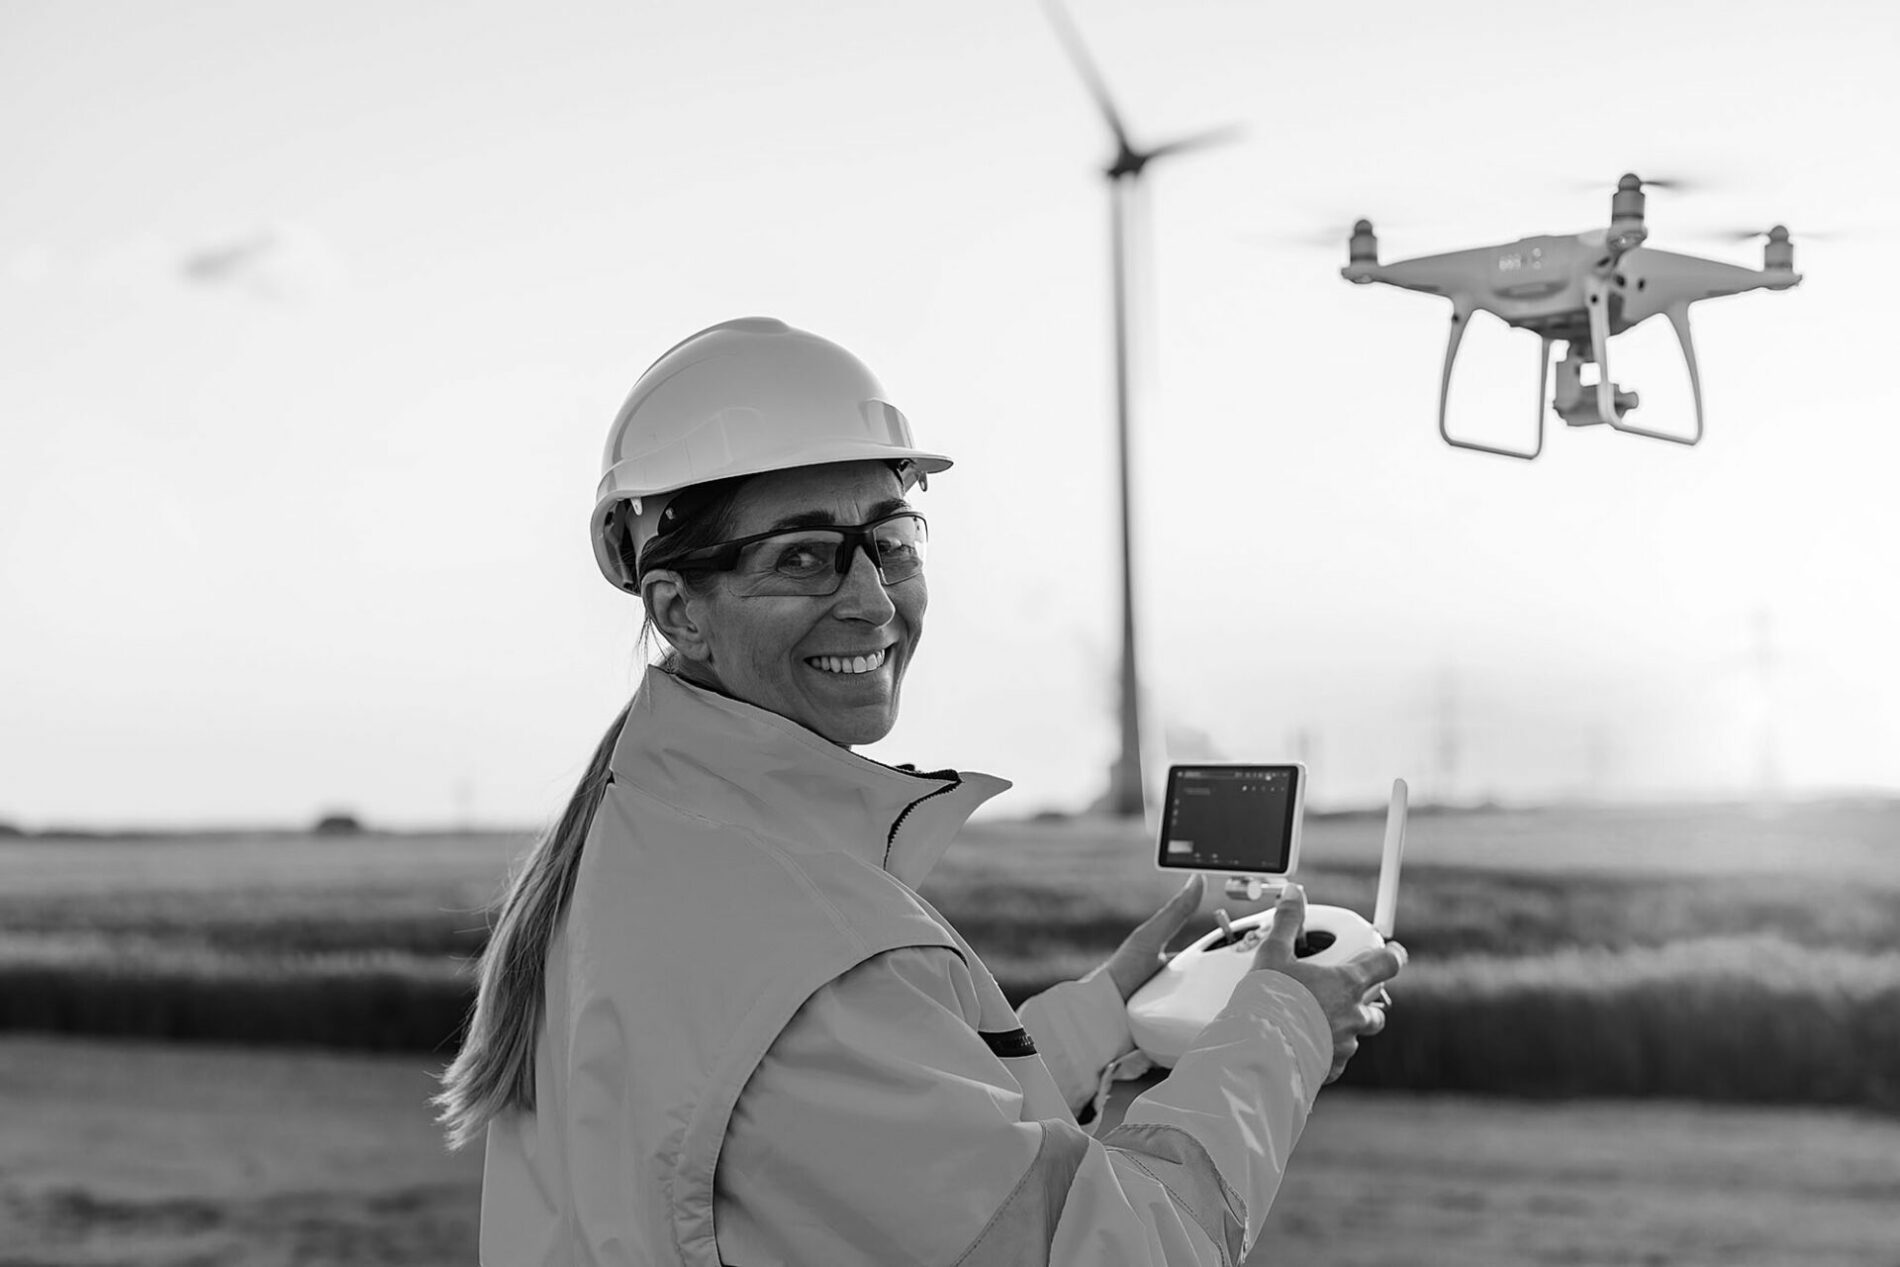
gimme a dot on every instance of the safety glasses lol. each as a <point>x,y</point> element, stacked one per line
<point>814,561</point>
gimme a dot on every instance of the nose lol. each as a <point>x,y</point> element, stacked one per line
<point>861,595</point>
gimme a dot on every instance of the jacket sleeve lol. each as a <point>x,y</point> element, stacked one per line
<point>1081,1028</point>
<point>880,1128</point>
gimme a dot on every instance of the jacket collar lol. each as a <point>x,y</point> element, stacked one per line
<point>737,764</point>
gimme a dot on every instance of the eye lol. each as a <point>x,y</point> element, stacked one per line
<point>900,539</point>
<point>801,558</point>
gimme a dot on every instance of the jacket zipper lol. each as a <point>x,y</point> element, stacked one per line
<point>891,838</point>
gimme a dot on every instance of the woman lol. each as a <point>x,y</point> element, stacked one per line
<point>715,1022</point>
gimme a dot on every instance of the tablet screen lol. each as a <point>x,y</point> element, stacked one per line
<point>1240,818</point>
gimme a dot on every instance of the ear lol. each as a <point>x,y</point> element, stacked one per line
<point>676,613</point>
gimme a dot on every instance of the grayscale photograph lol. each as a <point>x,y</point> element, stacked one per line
<point>1405,769</point>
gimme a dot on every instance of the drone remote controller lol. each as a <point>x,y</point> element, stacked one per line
<point>1168,1013</point>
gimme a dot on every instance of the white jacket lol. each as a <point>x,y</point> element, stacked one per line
<point>761,1046</point>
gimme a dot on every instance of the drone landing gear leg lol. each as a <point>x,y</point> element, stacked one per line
<point>1461,311</point>
<point>1678,315</point>
<point>1597,300</point>
<point>1543,380</point>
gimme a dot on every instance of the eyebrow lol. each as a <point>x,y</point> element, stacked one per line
<point>825,519</point>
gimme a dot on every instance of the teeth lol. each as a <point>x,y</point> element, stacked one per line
<point>854,665</point>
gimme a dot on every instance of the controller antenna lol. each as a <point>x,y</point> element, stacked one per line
<point>1385,907</point>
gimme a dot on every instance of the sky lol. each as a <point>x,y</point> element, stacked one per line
<point>313,319</point>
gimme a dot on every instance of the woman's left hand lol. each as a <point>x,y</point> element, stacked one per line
<point>1140,955</point>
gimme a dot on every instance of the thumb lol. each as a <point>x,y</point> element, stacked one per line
<point>1289,917</point>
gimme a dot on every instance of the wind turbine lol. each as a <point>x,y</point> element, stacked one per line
<point>1124,185</point>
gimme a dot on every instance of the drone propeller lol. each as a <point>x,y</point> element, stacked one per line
<point>1331,232</point>
<point>1750,235</point>
<point>1327,238</point>
<point>1675,184</point>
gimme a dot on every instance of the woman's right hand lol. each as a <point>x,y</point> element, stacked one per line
<point>1352,994</point>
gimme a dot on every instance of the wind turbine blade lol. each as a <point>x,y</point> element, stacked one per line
<point>1079,54</point>
<point>1199,141</point>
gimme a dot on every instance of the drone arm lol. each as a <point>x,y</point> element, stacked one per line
<point>1462,307</point>
<point>1657,280</point>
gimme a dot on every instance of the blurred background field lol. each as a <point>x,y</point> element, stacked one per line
<point>1627,1035</point>
<point>167,1155</point>
<point>1715,952</point>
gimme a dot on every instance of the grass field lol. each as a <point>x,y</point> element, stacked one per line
<point>201,1156</point>
<point>1504,883</point>
<point>1655,951</point>
<point>1599,951</point>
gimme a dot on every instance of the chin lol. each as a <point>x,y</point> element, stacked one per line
<point>853,731</point>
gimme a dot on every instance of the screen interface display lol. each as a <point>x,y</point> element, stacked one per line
<point>1229,818</point>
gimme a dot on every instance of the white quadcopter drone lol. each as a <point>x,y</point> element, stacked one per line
<point>1244,821</point>
<point>1583,289</point>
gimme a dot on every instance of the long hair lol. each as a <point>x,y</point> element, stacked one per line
<point>494,1071</point>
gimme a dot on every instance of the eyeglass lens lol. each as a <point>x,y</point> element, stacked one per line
<point>814,560</point>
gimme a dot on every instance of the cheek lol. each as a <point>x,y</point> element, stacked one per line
<point>912,599</point>
<point>767,642</point>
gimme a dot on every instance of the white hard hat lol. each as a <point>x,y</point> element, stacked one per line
<point>740,398</point>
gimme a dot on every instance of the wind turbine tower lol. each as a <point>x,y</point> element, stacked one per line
<point>1124,174</point>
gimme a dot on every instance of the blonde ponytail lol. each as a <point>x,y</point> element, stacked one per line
<point>494,1071</point>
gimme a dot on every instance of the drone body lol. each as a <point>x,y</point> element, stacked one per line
<point>1582,289</point>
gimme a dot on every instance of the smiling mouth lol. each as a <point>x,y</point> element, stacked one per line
<point>849,666</point>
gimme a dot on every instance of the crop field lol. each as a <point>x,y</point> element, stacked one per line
<point>1711,954</point>
<point>1554,952</point>
<point>1035,897</point>
<point>167,1155</point>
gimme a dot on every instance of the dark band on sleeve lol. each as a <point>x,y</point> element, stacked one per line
<point>1009,1043</point>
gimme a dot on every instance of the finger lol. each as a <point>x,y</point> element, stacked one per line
<point>1376,966</point>
<point>1343,1052</point>
<point>1183,904</point>
<point>1371,1019</point>
<point>1158,929</point>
